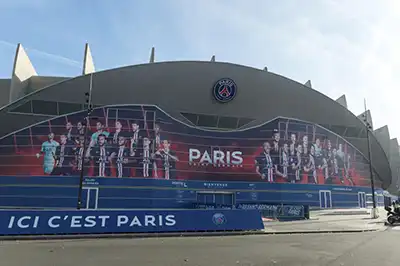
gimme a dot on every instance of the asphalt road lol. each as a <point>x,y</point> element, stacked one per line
<point>361,249</point>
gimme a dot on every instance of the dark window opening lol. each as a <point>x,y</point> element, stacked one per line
<point>24,108</point>
<point>191,117</point>
<point>67,108</point>
<point>340,130</point>
<point>44,107</point>
<point>352,132</point>
<point>228,122</point>
<point>207,121</point>
<point>211,121</point>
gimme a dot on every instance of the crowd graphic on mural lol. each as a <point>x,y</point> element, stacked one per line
<point>144,142</point>
<point>131,154</point>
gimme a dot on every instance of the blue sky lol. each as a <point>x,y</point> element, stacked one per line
<point>343,47</point>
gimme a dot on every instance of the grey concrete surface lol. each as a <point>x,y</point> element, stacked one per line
<point>328,224</point>
<point>318,224</point>
<point>379,248</point>
<point>328,221</point>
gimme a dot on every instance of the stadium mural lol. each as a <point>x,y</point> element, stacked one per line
<point>144,142</point>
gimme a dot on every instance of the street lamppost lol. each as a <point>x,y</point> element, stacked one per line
<point>368,128</point>
<point>88,96</point>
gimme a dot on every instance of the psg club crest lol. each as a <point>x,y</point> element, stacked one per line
<point>224,90</point>
<point>219,219</point>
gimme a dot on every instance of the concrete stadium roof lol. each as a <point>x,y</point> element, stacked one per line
<point>185,86</point>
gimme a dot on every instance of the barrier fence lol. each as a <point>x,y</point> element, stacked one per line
<point>134,193</point>
<point>276,211</point>
<point>15,223</point>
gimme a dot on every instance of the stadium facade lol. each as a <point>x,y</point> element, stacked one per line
<point>208,132</point>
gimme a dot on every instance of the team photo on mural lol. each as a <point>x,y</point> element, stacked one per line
<point>144,142</point>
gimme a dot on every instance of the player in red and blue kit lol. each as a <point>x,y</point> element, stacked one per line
<point>282,170</point>
<point>168,158</point>
<point>310,167</point>
<point>101,157</point>
<point>147,162</point>
<point>264,163</point>
<point>114,136</point>
<point>63,157</point>
<point>156,145</point>
<point>292,162</point>
<point>81,162</point>
<point>95,136</point>
<point>136,149</point>
<point>121,155</point>
<point>296,163</point>
<point>275,148</point>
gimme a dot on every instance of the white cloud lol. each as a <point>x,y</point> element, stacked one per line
<point>344,47</point>
<point>43,55</point>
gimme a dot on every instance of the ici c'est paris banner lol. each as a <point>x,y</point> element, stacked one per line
<point>144,142</point>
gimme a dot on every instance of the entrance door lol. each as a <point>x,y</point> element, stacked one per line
<point>362,200</point>
<point>90,197</point>
<point>325,199</point>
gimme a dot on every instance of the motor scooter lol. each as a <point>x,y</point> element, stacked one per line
<point>392,216</point>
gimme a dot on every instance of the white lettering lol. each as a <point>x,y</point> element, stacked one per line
<point>160,220</point>
<point>35,222</point>
<point>237,157</point>
<point>90,221</point>
<point>11,223</point>
<point>20,220</point>
<point>170,220</point>
<point>149,220</point>
<point>228,157</point>
<point>206,158</point>
<point>135,222</point>
<point>51,222</point>
<point>103,219</point>
<point>76,221</point>
<point>193,155</point>
<point>217,157</point>
<point>122,219</point>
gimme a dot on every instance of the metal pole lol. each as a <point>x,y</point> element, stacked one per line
<point>371,171</point>
<point>374,213</point>
<point>87,118</point>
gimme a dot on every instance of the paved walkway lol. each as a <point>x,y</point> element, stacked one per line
<point>346,220</point>
<point>359,249</point>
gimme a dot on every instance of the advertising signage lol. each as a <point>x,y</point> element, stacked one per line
<point>127,221</point>
<point>145,142</point>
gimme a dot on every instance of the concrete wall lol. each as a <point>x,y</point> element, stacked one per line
<point>390,146</point>
<point>395,166</point>
<point>15,122</point>
<point>186,87</point>
<point>383,137</point>
<point>4,91</point>
<point>39,82</point>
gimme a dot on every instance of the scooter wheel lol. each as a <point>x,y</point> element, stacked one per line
<point>391,220</point>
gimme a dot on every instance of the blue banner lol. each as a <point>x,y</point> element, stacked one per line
<point>144,221</point>
<point>273,152</point>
